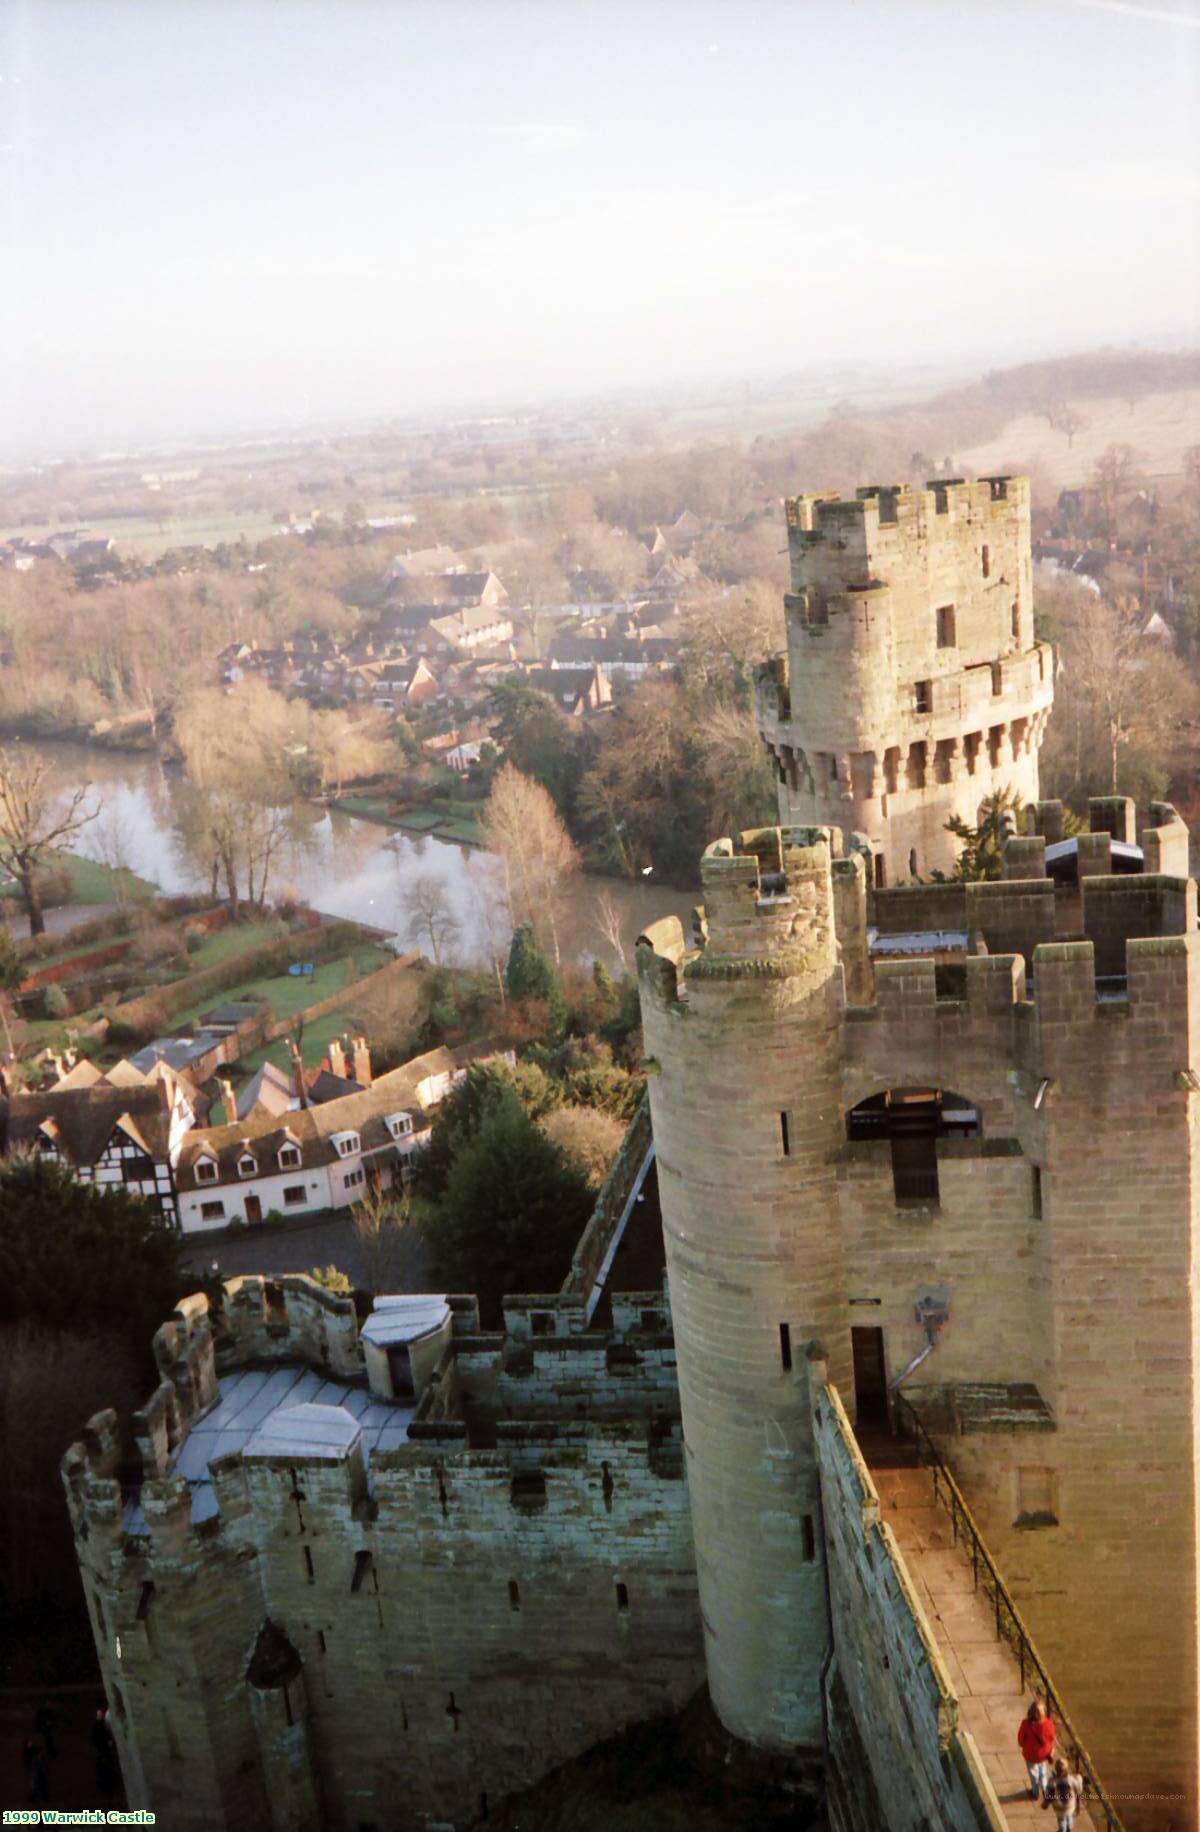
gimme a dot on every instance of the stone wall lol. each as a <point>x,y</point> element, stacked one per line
<point>467,1619</point>
<point>924,1766</point>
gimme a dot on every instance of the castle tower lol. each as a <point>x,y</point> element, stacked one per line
<point>912,686</point>
<point>743,1042</point>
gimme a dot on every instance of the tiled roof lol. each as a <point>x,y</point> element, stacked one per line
<point>83,1120</point>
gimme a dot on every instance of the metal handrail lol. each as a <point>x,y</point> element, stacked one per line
<point>1009,1625</point>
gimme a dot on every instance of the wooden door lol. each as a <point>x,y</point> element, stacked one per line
<point>253,1209</point>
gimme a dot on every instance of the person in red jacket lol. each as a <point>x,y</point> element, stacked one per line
<point>1036,1739</point>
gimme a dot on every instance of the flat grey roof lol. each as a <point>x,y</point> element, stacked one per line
<point>919,941</point>
<point>1121,849</point>
<point>251,1415</point>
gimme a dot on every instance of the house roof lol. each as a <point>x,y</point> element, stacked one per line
<point>81,1121</point>
<point>407,1089</point>
<point>270,1090</point>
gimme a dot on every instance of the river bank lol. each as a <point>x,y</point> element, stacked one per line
<point>341,863</point>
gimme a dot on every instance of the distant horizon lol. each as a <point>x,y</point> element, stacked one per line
<point>698,389</point>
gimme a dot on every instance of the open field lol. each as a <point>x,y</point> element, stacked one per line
<point>1160,429</point>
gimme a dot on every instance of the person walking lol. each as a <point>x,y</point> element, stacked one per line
<point>1035,1735</point>
<point>1064,1794</point>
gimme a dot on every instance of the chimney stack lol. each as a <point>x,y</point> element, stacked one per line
<point>229,1099</point>
<point>362,1062</point>
<point>299,1091</point>
<point>337,1058</point>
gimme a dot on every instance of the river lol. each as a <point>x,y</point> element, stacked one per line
<point>344,866</point>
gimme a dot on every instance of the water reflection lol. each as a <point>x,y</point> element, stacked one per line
<point>339,864</point>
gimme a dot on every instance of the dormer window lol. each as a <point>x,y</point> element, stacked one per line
<point>206,1170</point>
<point>247,1164</point>
<point>346,1144</point>
<point>289,1157</point>
<point>400,1125</point>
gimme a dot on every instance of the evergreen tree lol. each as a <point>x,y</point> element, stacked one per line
<point>983,846</point>
<point>511,1212</point>
<point>75,1256</point>
<point>530,975</point>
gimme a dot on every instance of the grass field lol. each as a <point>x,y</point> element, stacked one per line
<point>183,531</point>
<point>286,993</point>
<point>1160,429</point>
<point>92,883</point>
<point>234,938</point>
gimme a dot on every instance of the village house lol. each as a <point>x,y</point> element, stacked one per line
<point>124,1127</point>
<point>317,1157</point>
<point>575,691</point>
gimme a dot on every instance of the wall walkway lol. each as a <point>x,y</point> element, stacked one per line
<point>983,1670</point>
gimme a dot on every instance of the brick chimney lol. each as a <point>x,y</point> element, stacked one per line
<point>299,1091</point>
<point>362,1062</point>
<point>337,1058</point>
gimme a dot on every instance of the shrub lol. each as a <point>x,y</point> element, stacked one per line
<point>193,940</point>
<point>56,1001</point>
<point>237,1225</point>
<point>330,1279</point>
<point>273,1217</point>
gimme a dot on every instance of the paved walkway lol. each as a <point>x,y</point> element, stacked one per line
<point>983,1671</point>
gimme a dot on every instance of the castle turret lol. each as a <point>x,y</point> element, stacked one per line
<point>912,686</point>
<point>743,1039</point>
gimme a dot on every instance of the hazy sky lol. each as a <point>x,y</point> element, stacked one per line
<point>228,214</point>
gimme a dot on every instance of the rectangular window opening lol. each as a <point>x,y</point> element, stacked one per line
<point>946,637</point>
<point>322,1648</point>
<point>514,1594</point>
<point>308,1565</point>
<point>622,1597</point>
<point>785,1346</point>
<point>785,1136</point>
<point>1036,1194</point>
<point>810,1540</point>
<point>362,1566</point>
<point>922,696</point>
<point>985,558</point>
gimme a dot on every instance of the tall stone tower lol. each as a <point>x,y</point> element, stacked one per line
<point>744,1051</point>
<point>912,686</point>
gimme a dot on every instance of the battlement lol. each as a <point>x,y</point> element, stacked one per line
<point>823,515</point>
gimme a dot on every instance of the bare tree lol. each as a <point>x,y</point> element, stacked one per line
<point>523,828</point>
<point>608,919</point>
<point>114,844</point>
<point>495,919</point>
<point>426,916</point>
<point>1114,475</point>
<point>34,823</point>
<point>388,1238</point>
<point>588,1135</point>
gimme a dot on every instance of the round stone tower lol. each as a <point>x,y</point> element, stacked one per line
<point>912,687</point>
<point>742,1038</point>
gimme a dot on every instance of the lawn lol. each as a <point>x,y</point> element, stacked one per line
<point>465,832</point>
<point>313,1047</point>
<point>235,938</point>
<point>286,993</point>
<point>93,883</point>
